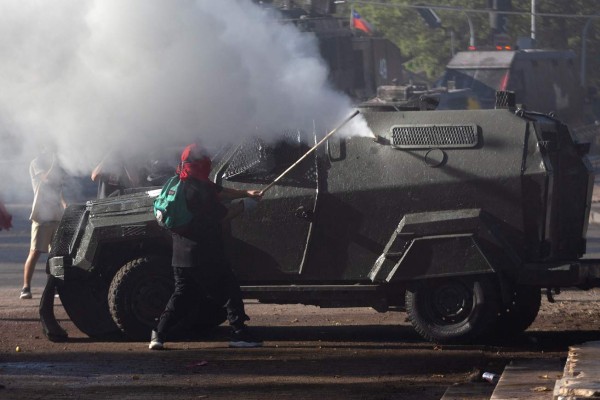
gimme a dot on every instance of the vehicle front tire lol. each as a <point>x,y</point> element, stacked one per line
<point>138,294</point>
<point>453,310</point>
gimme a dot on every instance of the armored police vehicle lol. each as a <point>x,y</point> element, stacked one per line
<point>460,218</point>
<point>545,80</point>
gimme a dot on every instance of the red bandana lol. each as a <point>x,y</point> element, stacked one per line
<point>194,164</point>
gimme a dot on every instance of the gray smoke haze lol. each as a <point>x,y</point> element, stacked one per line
<point>94,75</point>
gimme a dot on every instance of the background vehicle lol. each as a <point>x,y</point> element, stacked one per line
<point>544,80</point>
<point>419,218</point>
<point>357,63</point>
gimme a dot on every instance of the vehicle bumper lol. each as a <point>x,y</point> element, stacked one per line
<point>56,266</point>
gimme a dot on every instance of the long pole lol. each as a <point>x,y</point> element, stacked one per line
<point>471,31</point>
<point>308,152</point>
<point>533,23</point>
<point>586,27</point>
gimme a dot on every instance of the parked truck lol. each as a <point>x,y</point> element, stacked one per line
<point>459,218</point>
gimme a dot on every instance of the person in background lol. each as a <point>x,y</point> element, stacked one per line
<point>47,180</point>
<point>159,172</point>
<point>114,174</point>
<point>200,266</point>
<point>5,218</point>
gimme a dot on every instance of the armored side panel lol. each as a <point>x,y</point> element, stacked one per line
<point>570,184</point>
<point>431,162</point>
<point>91,244</point>
<point>443,244</point>
<point>121,223</point>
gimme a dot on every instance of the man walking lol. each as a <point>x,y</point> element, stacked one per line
<point>47,178</point>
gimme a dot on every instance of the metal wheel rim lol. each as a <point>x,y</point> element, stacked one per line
<point>149,298</point>
<point>450,303</point>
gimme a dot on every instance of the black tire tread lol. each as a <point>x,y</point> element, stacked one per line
<point>515,318</point>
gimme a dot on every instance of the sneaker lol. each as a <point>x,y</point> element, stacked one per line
<point>25,293</point>
<point>155,342</point>
<point>243,338</point>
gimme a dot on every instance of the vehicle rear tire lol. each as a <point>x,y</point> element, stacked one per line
<point>453,310</point>
<point>517,316</point>
<point>138,294</point>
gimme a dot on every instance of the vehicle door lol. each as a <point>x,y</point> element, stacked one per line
<point>269,242</point>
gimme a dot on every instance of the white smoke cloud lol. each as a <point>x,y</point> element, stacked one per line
<point>93,75</point>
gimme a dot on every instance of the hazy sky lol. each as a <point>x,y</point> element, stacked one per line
<point>91,75</point>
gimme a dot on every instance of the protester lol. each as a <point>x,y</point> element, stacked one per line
<point>47,179</point>
<point>199,262</point>
<point>5,218</point>
<point>114,174</point>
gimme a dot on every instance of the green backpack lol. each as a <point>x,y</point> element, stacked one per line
<point>170,208</point>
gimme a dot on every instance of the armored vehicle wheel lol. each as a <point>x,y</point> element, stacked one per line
<point>138,294</point>
<point>85,302</point>
<point>521,312</point>
<point>456,310</point>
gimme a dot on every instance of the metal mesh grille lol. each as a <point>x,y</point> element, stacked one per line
<point>66,231</point>
<point>248,155</point>
<point>505,99</point>
<point>258,161</point>
<point>434,136</point>
<point>133,230</point>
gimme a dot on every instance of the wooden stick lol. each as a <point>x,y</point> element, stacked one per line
<point>308,152</point>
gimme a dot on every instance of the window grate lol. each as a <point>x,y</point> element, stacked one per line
<point>255,156</point>
<point>133,230</point>
<point>67,231</point>
<point>434,136</point>
<point>248,155</point>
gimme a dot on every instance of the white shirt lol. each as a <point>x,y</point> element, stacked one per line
<point>46,180</point>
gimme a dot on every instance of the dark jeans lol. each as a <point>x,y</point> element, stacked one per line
<point>194,285</point>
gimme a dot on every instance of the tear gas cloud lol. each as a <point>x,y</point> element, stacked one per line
<point>93,75</point>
